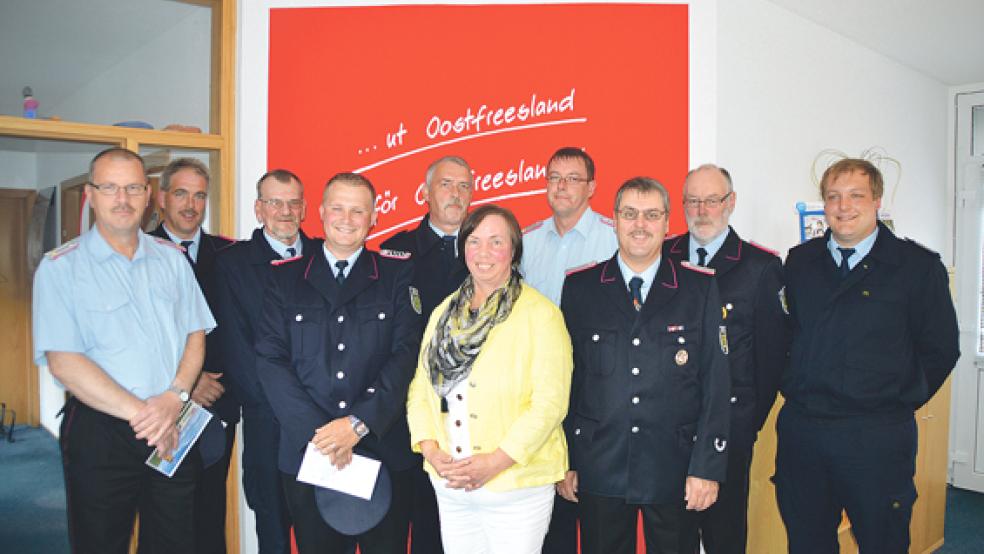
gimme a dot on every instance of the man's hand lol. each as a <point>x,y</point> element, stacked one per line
<point>568,487</point>
<point>156,422</point>
<point>208,389</point>
<point>336,439</point>
<point>700,493</point>
<point>473,472</point>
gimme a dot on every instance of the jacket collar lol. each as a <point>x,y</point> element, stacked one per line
<point>664,287</point>
<point>322,279</point>
<point>261,253</point>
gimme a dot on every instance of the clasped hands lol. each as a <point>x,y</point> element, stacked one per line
<point>468,473</point>
<point>156,422</point>
<point>336,439</point>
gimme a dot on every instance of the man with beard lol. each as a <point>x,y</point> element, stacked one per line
<point>647,427</point>
<point>121,323</point>
<point>182,198</point>
<point>573,237</point>
<point>749,279</point>
<point>244,272</point>
<point>438,271</point>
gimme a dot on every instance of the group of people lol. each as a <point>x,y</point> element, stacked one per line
<point>525,390</point>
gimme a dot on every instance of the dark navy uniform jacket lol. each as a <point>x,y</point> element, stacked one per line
<point>881,341</point>
<point>749,279</point>
<point>436,273</point>
<point>649,399</point>
<point>244,273</point>
<point>327,351</point>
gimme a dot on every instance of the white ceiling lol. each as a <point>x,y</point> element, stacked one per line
<point>941,38</point>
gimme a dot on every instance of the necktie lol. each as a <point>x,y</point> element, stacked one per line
<point>187,251</point>
<point>291,252</point>
<point>635,287</point>
<point>844,267</point>
<point>340,276</point>
<point>447,245</point>
<point>701,256</point>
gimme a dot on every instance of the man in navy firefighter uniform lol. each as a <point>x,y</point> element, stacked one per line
<point>244,273</point>
<point>749,279</point>
<point>438,271</point>
<point>874,337</point>
<point>182,198</point>
<point>648,424</point>
<point>338,347</point>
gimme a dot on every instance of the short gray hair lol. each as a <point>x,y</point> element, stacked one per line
<point>177,165</point>
<point>457,160</point>
<point>723,171</point>
<point>117,153</point>
<point>643,185</point>
<point>281,176</point>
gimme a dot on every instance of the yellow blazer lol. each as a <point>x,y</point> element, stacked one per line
<point>520,386</point>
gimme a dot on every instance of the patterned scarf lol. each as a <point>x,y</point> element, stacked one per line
<point>460,333</point>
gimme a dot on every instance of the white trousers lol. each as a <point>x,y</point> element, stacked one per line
<point>487,522</point>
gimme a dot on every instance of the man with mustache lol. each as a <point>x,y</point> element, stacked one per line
<point>749,279</point>
<point>438,271</point>
<point>244,273</point>
<point>647,427</point>
<point>182,199</point>
<point>121,323</point>
<point>573,237</point>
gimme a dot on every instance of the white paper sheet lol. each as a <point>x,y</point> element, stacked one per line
<point>357,479</point>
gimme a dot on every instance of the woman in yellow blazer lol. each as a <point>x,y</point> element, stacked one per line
<point>490,392</point>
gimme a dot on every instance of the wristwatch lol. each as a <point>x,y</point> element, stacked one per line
<point>358,426</point>
<point>182,394</point>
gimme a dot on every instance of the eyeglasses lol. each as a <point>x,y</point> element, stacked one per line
<point>709,203</point>
<point>181,194</point>
<point>110,189</point>
<point>569,180</point>
<point>632,214</point>
<point>278,204</point>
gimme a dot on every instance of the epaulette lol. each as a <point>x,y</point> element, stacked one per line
<point>606,220</point>
<point>579,268</point>
<point>59,251</point>
<point>229,240</point>
<point>533,227</point>
<point>283,261</point>
<point>921,247</point>
<point>698,268</point>
<point>395,254</point>
<point>763,248</point>
<point>169,242</point>
<point>671,237</point>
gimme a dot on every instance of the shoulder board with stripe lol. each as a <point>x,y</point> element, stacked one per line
<point>673,236</point>
<point>285,260</point>
<point>698,268</point>
<point>921,247</point>
<point>573,270</point>
<point>533,227</point>
<point>59,251</point>
<point>395,254</point>
<point>171,243</point>
<point>764,249</point>
<point>606,220</point>
<point>229,241</point>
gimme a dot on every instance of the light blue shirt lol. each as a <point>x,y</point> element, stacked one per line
<point>281,248</point>
<point>195,242</point>
<point>711,247</point>
<point>132,318</point>
<point>647,276</point>
<point>547,256</point>
<point>861,249</point>
<point>332,259</point>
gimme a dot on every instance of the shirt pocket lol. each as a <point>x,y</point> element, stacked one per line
<point>305,331</point>
<point>110,321</point>
<point>680,350</point>
<point>375,325</point>
<point>598,348</point>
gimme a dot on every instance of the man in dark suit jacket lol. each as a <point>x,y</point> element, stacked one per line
<point>749,280</point>
<point>244,273</point>
<point>182,198</point>
<point>337,349</point>
<point>438,271</point>
<point>648,422</point>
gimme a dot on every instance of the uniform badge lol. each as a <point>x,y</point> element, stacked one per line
<point>720,444</point>
<point>723,338</point>
<point>724,312</point>
<point>415,300</point>
<point>782,301</point>
<point>681,357</point>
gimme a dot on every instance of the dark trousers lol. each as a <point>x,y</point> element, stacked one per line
<point>863,465</point>
<point>609,525</point>
<point>723,528</point>
<point>107,482</point>
<point>425,525</point>
<point>210,501</point>
<point>261,480</point>
<point>314,536</point>
<point>562,534</point>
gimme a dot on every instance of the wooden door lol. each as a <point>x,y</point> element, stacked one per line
<point>18,375</point>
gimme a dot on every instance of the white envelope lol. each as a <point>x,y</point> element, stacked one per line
<point>357,479</point>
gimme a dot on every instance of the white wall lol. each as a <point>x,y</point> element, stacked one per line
<point>18,170</point>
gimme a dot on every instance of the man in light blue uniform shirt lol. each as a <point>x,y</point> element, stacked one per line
<point>576,235</point>
<point>121,322</point>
